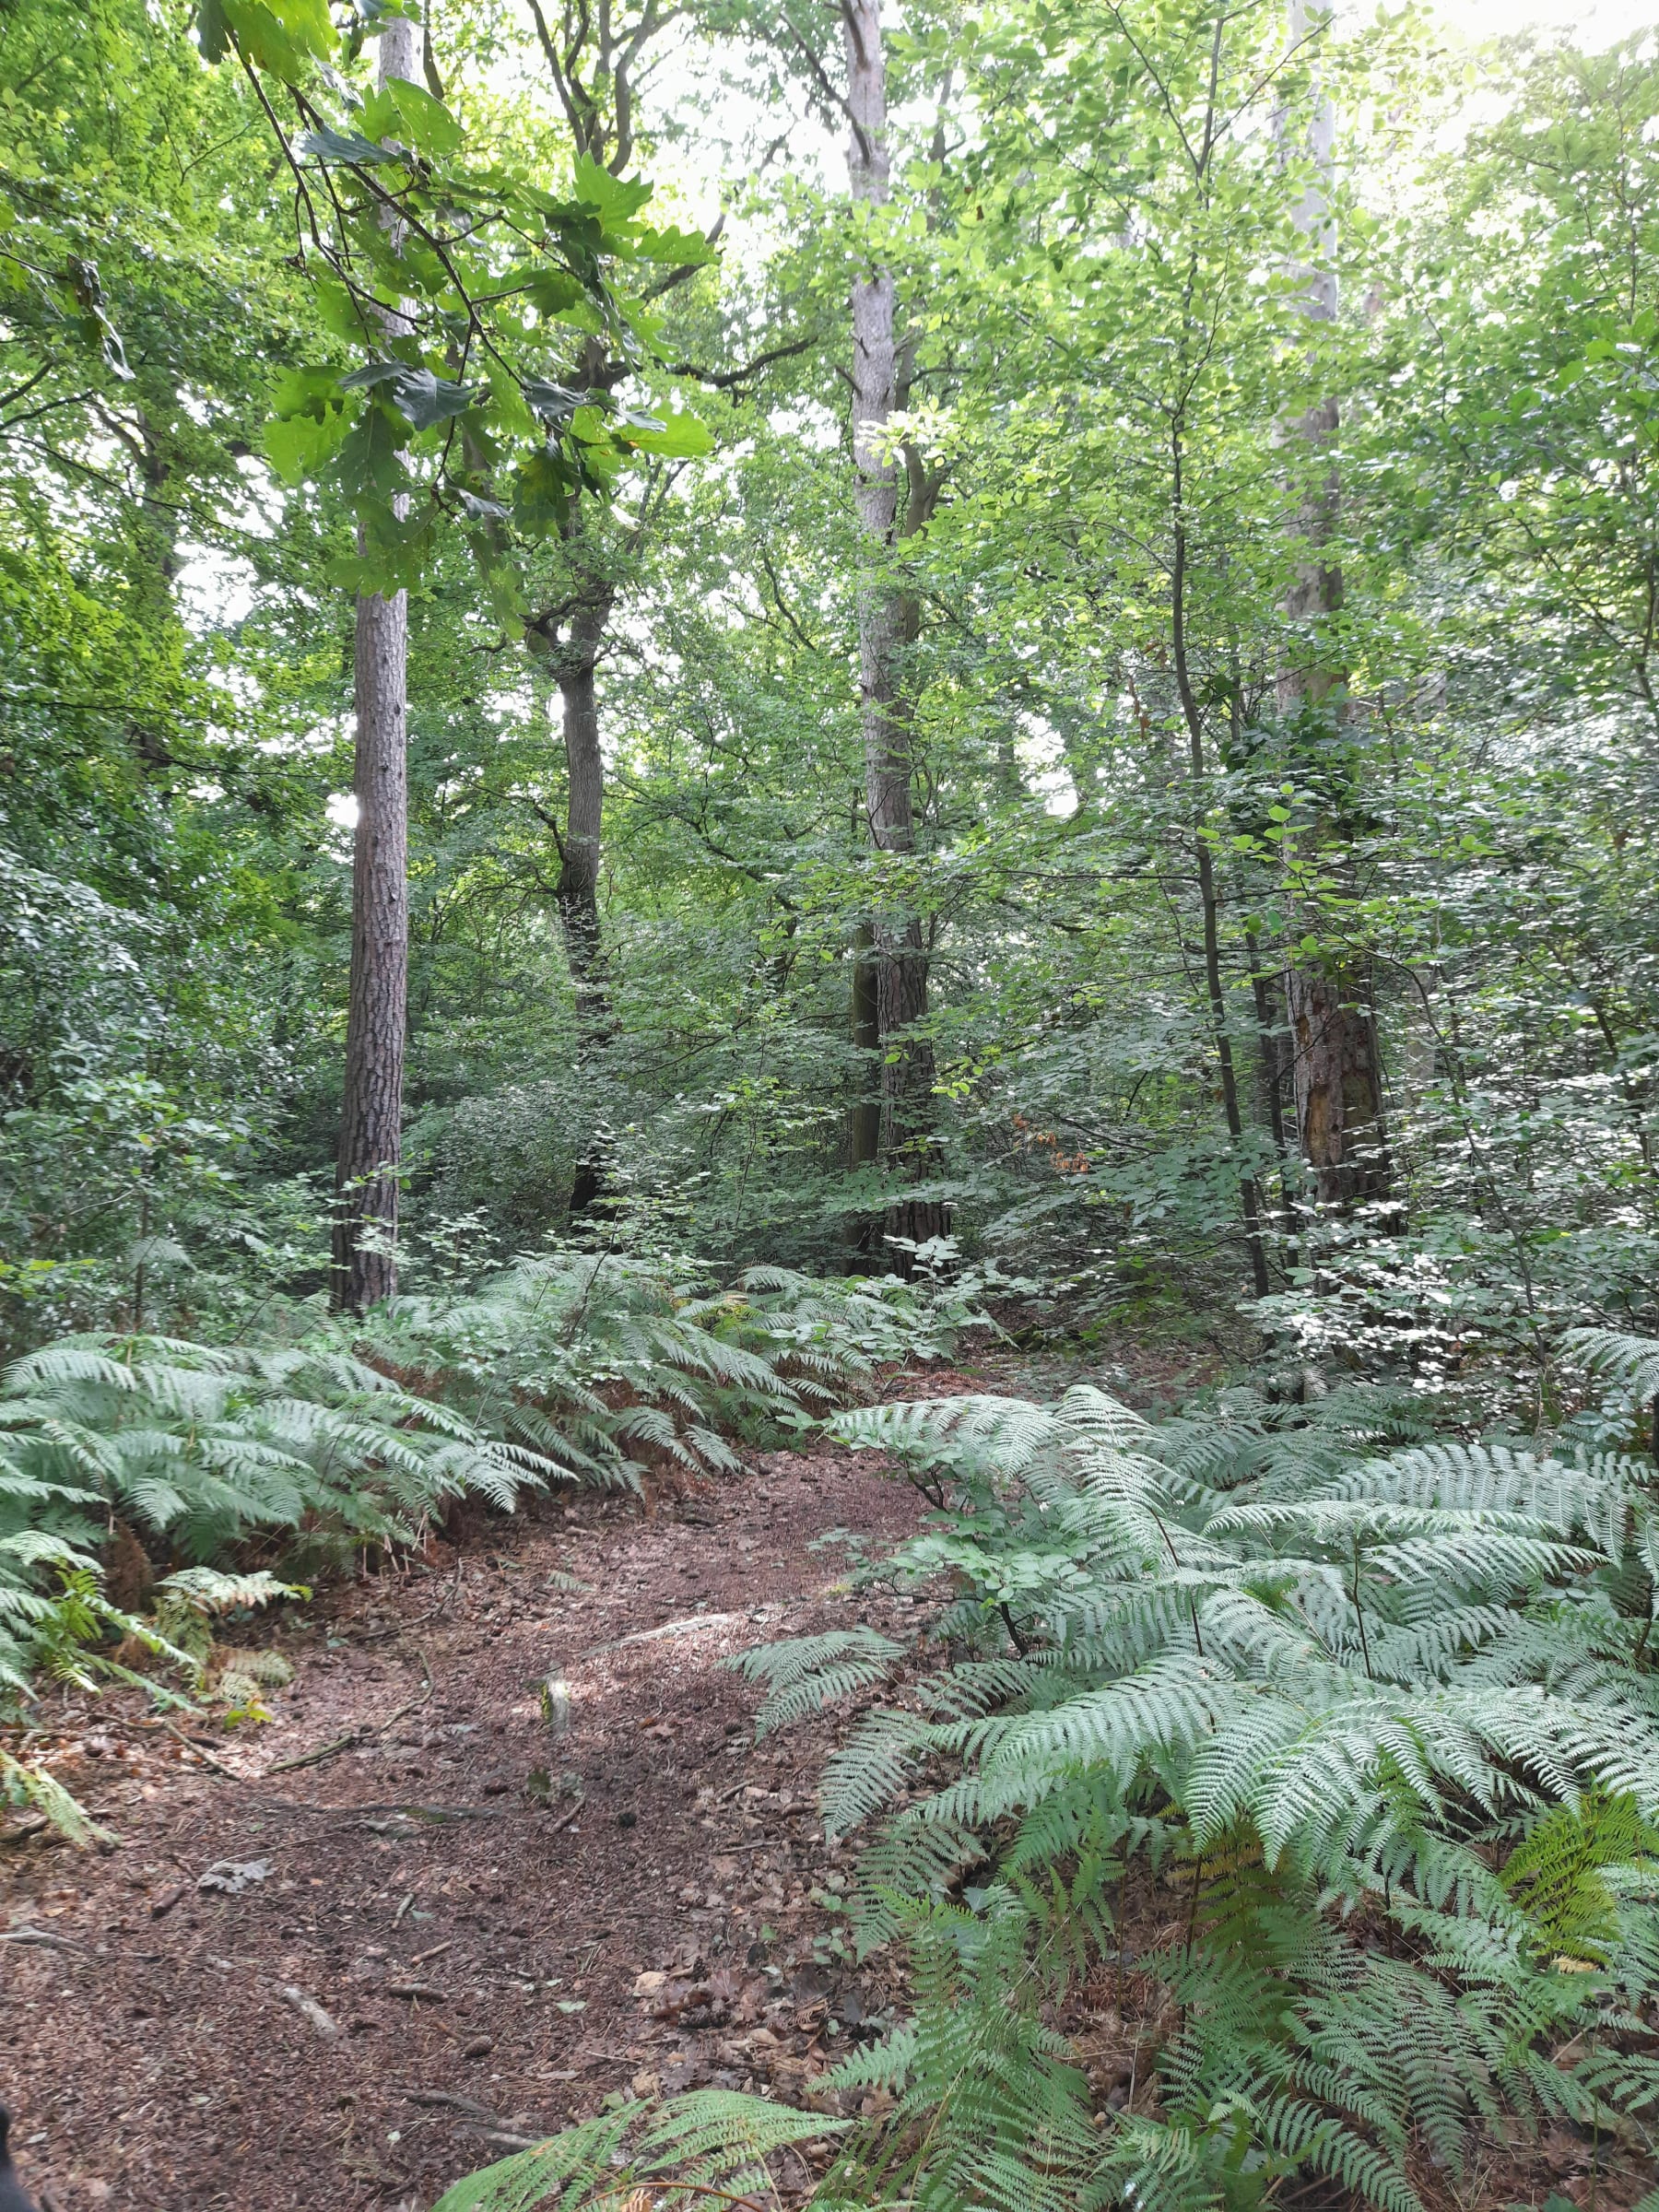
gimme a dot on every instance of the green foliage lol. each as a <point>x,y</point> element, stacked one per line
<point>573,1367</point>
<point>23,1783</point>
<point>180,895</point>
<point>56,1637</point>
<point>204,1449</point>
<point>712,2143</point>
<point>578,1356</point>
<point>1344,1693</point>
<point>1557,1873</point>
<point>869,1320</point>
<point>1374,1737</point>
<point>1356,1657</point>
<point>415,241</point>
<point>809,1672</point>
<point>1630,1363</point>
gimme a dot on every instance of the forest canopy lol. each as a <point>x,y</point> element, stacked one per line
<point>1078,687</point>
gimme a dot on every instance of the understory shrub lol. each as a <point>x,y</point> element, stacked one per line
<point>581,1355</point>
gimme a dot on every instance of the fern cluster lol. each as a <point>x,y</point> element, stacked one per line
<point>586,1358</point>
<point>563,1368</point>
<point>203,1448</point>
<point>708,2148</point>
<point>1369,1724</point>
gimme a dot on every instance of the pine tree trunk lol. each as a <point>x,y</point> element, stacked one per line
<point>889,621</point>
<point>1337,1063</point>
<point>365,1264</point>
<point>1338,1087</point>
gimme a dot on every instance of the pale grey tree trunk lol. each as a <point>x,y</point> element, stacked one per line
<point>889,621</point>
<point>1335,1057</point>
<point>864,1121</point>
<point>365,1264</point>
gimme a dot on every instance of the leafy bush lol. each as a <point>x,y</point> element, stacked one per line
<point>1368,1727</point>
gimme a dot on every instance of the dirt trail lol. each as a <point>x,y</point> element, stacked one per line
<point>441,1955</point>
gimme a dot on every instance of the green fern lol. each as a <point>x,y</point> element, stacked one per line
<point>1385,1710</point>
<point>26,1784</point>
<point>204,1446</point>
<point>1557,1873</point>
<point>811,1672</point>
<point>580,1357</point>
<point>711,2144</point>
<point>1630,1363</point>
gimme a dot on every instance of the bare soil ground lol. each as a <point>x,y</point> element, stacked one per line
<point>436,1953</point>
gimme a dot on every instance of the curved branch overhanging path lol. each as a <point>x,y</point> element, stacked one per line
<point>441,1956</point>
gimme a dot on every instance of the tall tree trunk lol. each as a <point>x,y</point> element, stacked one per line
<point>889,622</point>
<point>573,649</point>
<point>576,660</point>
<point>865,1133</point>
<point>1338,1065</point>
<point>1274,1082</point>
<point>365,1263</point>
<point>864,1232</point>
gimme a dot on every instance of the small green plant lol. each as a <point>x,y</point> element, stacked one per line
<point>710,2146</point>
<point>579,1357</point>
<point>26,1785</point>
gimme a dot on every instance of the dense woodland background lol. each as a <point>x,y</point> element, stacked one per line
<point>1017,651</point>
<point>1417,790</point>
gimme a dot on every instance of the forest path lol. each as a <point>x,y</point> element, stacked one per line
<point>443,1951</point>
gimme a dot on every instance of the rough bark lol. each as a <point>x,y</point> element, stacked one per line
<point>864,1232</point>
<point>1338,1087</point>
<point>889,621</point>
<point>371,1152</point>
<point>865,1145</point>
<point>1275,1084</point>
<point>576,660</point>
<point>1337,1063</point>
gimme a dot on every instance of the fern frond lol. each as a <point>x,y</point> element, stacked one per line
<point>807,1673</point>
